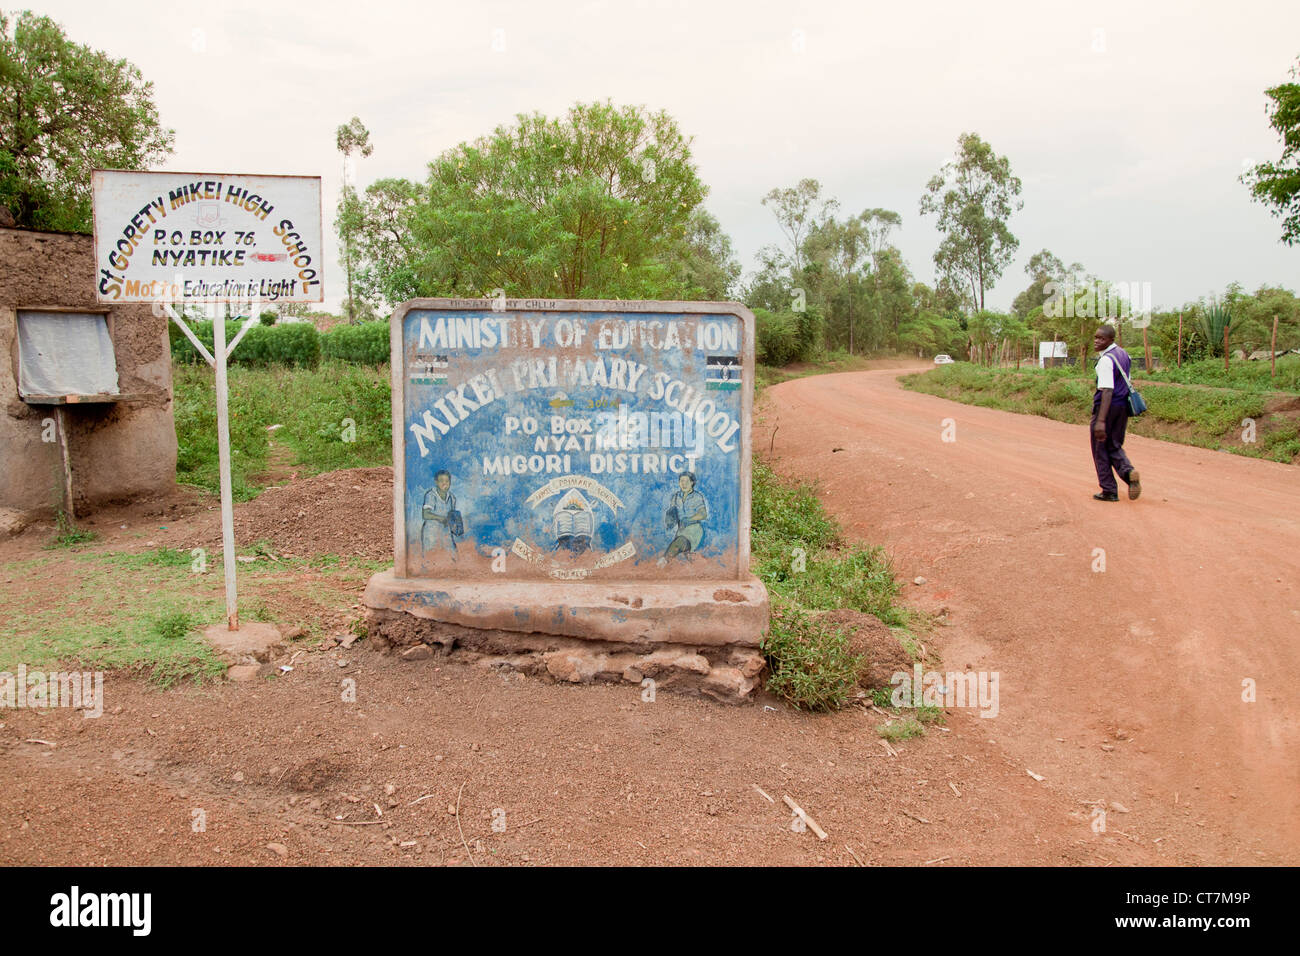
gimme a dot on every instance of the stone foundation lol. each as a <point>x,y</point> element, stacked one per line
<point>724,672</point>
<point>700,639</point>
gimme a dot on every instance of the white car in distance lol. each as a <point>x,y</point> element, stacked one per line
<point>943,360</point>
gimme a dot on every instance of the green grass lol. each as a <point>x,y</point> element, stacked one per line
<point>69,535</point>
<point>144,612</point>
<point>813,666</point>
<point>174,626</point>
<point>114,616</point>
<point>903,729</point>
<point>1207,415</point>
<point>140,560</point>
<point>1247,376</point>
<point>334,416</point>
<point>799,554</point>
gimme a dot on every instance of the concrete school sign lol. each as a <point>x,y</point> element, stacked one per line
<point>572,485</point>
<point>207,236</point>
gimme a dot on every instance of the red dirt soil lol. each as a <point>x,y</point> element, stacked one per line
<point>1120,688</point>
<point>1200,593</point>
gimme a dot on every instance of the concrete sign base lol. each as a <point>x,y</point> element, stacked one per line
<point>699,638</point>
<point>572,490</point>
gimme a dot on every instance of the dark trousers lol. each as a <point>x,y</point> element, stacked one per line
<point>1109,455</point>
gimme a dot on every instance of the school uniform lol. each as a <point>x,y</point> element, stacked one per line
<point>1108,456</point>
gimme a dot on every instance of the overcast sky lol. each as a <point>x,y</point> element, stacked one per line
<point>1127,122</point>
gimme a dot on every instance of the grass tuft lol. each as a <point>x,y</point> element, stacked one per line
<point>813,665</point>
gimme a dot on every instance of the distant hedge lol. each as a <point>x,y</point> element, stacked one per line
<point>290,344</point>
<point>364,344</point>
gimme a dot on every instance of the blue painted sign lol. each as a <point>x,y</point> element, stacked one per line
<point>572,444</point>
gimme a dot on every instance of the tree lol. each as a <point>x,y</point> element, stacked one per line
<point>381,223</point>
<point>1043,268</point>
<point>973,196</point>
<point>351,137</point>
<point>597,204</point>
<point>877,224</point>
<point>798,210</point>
<point>1278,184</point>
<point>66,110</point>
<point>834,252</point>
<point>707,267</point>
<point>892,293</point>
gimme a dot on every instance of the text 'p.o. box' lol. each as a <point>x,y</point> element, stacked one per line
<point>571,471</point>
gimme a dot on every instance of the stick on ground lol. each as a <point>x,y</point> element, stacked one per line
<point>812,824</point>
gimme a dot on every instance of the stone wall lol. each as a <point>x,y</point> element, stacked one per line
<point>118,450</point>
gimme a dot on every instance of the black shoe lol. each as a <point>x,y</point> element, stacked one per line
<point>1134,485</point>
<point>1102,496</point>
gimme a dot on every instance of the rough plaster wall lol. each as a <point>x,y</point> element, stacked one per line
<point>118,450</point>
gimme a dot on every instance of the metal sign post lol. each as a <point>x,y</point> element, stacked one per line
<point>223,453</point>
<point>218,359</point>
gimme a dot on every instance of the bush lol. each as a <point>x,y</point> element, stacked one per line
<point>810,333</point>
<point>290,344</point>
<point>813,665</point>
<point>366,343</point>
<point>785,337</point>
<point>777,341</point>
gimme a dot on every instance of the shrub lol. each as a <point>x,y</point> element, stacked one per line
<point>810,333</point>
<point>290,344</point>
<point>785,337</point>
<point>366,343</point>
<point>813,665</point>
<point>777,341</point>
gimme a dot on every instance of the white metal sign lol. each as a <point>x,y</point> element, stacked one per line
<point>207,236</point>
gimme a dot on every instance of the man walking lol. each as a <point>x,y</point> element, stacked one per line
<point>1110,418</point>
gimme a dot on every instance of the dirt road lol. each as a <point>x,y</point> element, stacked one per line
<point>1120,690</point>
<point>1132,683</point>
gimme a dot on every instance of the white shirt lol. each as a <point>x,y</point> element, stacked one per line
<point>1106,370</point>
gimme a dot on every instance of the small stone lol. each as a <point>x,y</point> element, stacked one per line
<point>1118,807</point>
<point>574,667</point>
<point>238,777</point>
<point>417,652</point>
<point>389,789</point>
<point>750,665</point>
<point>728,684</point>
<point>451,809</point>
<point>242,672</point>
<point>11,522</point>
<point>279,849</point>
<point>474,747</point>
<point>438,758</point>
<point>1108,747</point>
<point>696,663</point>
<point>343,663</point>
<point>918,580</point>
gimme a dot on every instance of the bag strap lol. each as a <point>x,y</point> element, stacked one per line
<point>1120,368</point>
